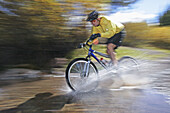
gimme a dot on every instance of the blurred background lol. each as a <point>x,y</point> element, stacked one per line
<point>33,32</point>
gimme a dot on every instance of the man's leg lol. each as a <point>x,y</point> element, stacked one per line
<point>112,53</point>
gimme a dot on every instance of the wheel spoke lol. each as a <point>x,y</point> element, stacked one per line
<point>75,70</point>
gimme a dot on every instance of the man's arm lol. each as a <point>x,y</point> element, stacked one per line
<point>110,29</point>
<point>95,30</point>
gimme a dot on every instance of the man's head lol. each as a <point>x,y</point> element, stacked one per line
<point>93,18</point>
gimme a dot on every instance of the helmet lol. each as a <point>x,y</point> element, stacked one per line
<point>92,16</point>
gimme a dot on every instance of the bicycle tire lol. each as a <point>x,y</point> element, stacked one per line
<point>74,71</point>
<point>128,65</point>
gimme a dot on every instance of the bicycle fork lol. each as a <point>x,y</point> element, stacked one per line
<point>86,68</point>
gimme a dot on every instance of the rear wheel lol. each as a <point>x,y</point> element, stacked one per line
<point>128,65</point>
<point>78,78</point>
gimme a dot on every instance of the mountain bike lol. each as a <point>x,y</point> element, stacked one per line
<point>82,73</point>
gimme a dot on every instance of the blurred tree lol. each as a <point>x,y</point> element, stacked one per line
<point>35,31</point>
<point>165,19</point>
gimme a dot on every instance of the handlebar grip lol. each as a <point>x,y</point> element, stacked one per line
<point>81,45</point>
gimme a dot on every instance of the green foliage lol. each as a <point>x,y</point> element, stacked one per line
<point>165,19</point>
<point>142,35</point>
<point>37,34</point>
<point>135,34</point>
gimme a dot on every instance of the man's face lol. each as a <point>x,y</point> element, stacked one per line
<point>95,22</point>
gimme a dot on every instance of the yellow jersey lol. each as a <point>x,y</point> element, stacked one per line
<point>107,29</point>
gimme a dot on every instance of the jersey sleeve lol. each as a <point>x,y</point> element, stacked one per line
<point>95,30</point>
<point>110,29</point>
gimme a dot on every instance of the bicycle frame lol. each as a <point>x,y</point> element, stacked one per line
<point>91,53</point>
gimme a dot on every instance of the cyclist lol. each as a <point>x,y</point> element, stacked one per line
<point>102,27</point>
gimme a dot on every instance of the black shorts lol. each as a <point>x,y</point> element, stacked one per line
<point>116,39</point>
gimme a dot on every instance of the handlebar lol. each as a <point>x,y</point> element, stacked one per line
<point>84,44</point>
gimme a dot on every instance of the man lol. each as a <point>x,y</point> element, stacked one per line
<point>102,27</point>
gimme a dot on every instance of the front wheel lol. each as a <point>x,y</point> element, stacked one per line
<point>81,75</point>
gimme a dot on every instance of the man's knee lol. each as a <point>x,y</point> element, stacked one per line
<point>111,46</point>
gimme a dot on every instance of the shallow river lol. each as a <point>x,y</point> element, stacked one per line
<point>147,93</point>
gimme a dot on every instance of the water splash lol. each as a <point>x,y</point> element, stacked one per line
<point>129,78</point>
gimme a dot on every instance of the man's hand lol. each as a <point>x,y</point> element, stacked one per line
<point>94,36</point>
